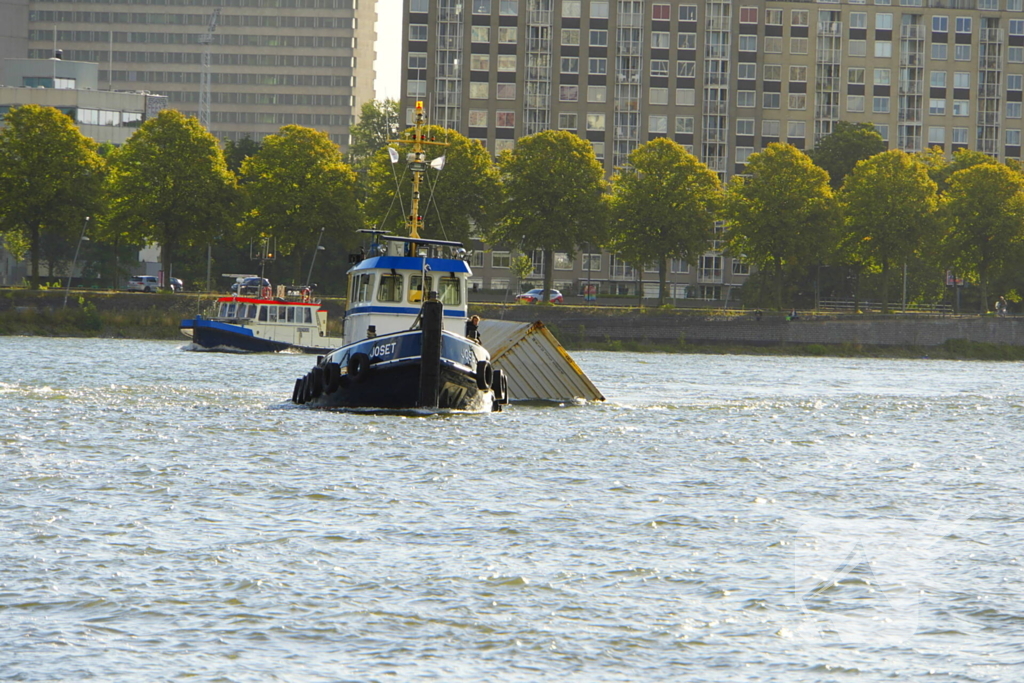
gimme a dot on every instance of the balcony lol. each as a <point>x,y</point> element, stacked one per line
<point>912,32</point>
<point>536,16</point>
<point>991,35</point>
<point>830,28</point>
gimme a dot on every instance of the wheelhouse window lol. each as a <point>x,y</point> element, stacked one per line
<point>362,287</point>
<point>416,288</point>
<point>390,289</point>
<point>450,291</point>
<point>263,314</point>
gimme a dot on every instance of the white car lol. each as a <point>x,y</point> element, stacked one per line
<point>143,283</point>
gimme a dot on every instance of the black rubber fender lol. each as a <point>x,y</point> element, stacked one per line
<point>332,377</point>
<point>317,377</point>
<point>358,367</point>
<point>307,382</point>
<point>297,391</point>
<point>484,375</point>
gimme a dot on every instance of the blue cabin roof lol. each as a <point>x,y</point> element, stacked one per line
<point>442,265</point>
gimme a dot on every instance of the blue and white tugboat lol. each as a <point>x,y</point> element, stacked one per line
<point>407,342</point>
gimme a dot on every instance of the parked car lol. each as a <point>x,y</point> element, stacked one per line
<point>250,285</point>
<point>177,285</point>
<point>143,283</point>
<point>535,295</point>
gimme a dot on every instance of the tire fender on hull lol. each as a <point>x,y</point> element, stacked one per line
<point>358,367</point>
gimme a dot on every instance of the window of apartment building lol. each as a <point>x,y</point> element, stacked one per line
<point>963,24</point>
<point>883,2</point>
<point>992,5</point>
<point>1013,110</point>
<point>747,98</point>
<point>880,105</point>
<point>416,88</point>
<point>620,269</point>
<point>506,62</point>
<point>657,124</point>
<point>744,126</point>
<point>568,121</point>
<point>770,128</point>
<point>797,101</point>
<point>961,79</point>
<point>748,43</point>
<point>500,259</point>
<point>678,266</point>
<point>936,135</point>
<point>570,36</point>
<point>598,147</point>
<point>570,65</point>
<point>855,75</point>
<point>505,119</point>
<point>883,130</point>
<point>798,74</point>
<point>796,129</point>
<point>684,124</point>
<point>743,153</point>
<point>1014,81</point>
<point>940,24</point>
<point>938,79</point>
<point>568,93</point>
<point>597,93</point>
<point>798,17</point>
<point>508,34</point>
<point>959,136</point>
<point>1014,5</point>
<point>883,48</point>
<point>937,107</point>
<point>481,34</point>
<point>478,118</point>
<point>661,39</point>
<point>1015,55</point>
<point>478,62</point>
<point>562,261</point>
<point>478,91</point>
<point>661,12</point>
<point>939,51</point>
<point>740,268</point>
<point>508,8</point>
<point>855,103</point>
<point>773,17</point>
<point>481,6</point>
<point>746,71</point>
<point>599,37</point>
<point>961,107</point>
<point>571,8</point>
<point>773,45</point>
<point>962,53</point>
<point>772,72</point>
<point>686,69</point>
<point>858,48</point>
<point>659,67</point>
<point>417,31</point>
<point>417,60</point>
<point>685,97</point>
<point>883,77</point>
<point>590,262</point>
<point>858,19</point>
<point>595,121</point>
<point>748,15</point>
<point>771,100</point>
<point>598,65</point>
<point>883,22</point>
<point>1017,27</point>
<point>506,91</point>
<point>687,13</point>
<point>797,46</point>
<point>658,96</point>
<point>419,5</point>
<point>686,41</point>
<point>1013,136</point>
<point>599,10</point>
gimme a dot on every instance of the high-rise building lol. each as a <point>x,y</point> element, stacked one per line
<point>272,62</point>
<point>723,78</point>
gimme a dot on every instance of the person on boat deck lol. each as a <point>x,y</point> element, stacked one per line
<point>305,293</point>
<point>472,328</point>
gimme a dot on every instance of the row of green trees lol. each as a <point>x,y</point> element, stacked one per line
<point>871,211</point>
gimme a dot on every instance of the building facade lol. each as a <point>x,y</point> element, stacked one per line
<point>272,62</point>
<point>722,78</point>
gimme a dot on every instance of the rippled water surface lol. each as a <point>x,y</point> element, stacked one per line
<point>167,516</point>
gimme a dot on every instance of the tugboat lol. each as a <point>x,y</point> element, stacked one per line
<point>407,341</point>
<point>253,321</point>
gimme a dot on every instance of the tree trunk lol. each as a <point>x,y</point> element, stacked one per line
<point>983,282</point>
<point>778,284</point>
<point>885,285</point>
<point>549,273</point>
<point>856,289</point>
<point>166,256</point>
<point>34,237</point>
<point>663,281</point>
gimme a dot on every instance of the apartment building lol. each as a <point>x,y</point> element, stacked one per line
<point>722,78</point>
<point>272,62</point>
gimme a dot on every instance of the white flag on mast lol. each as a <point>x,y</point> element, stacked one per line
<point>393,153</point>
<point>437,163</point>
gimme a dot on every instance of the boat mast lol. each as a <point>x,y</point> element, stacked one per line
<point>418,165</point>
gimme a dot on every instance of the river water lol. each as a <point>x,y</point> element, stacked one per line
<point>166,515</point>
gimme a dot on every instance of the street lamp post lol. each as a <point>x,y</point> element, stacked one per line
<point>81,238</point>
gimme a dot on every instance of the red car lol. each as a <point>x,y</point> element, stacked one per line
<point>535,295</point>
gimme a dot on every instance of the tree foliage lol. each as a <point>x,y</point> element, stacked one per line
<point>50,180</point>
<point>942,169</point>
<point>237,152</point>
<point>783,214</point>
<point>378,123</point>
<point>839,151</point>
<point>295,185</point>
<point>662,206</point>
<point>454,200</point>
<point>889,204</point>
<point>553,196</point>
<point>169,185</point>
<point>984,213</point>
